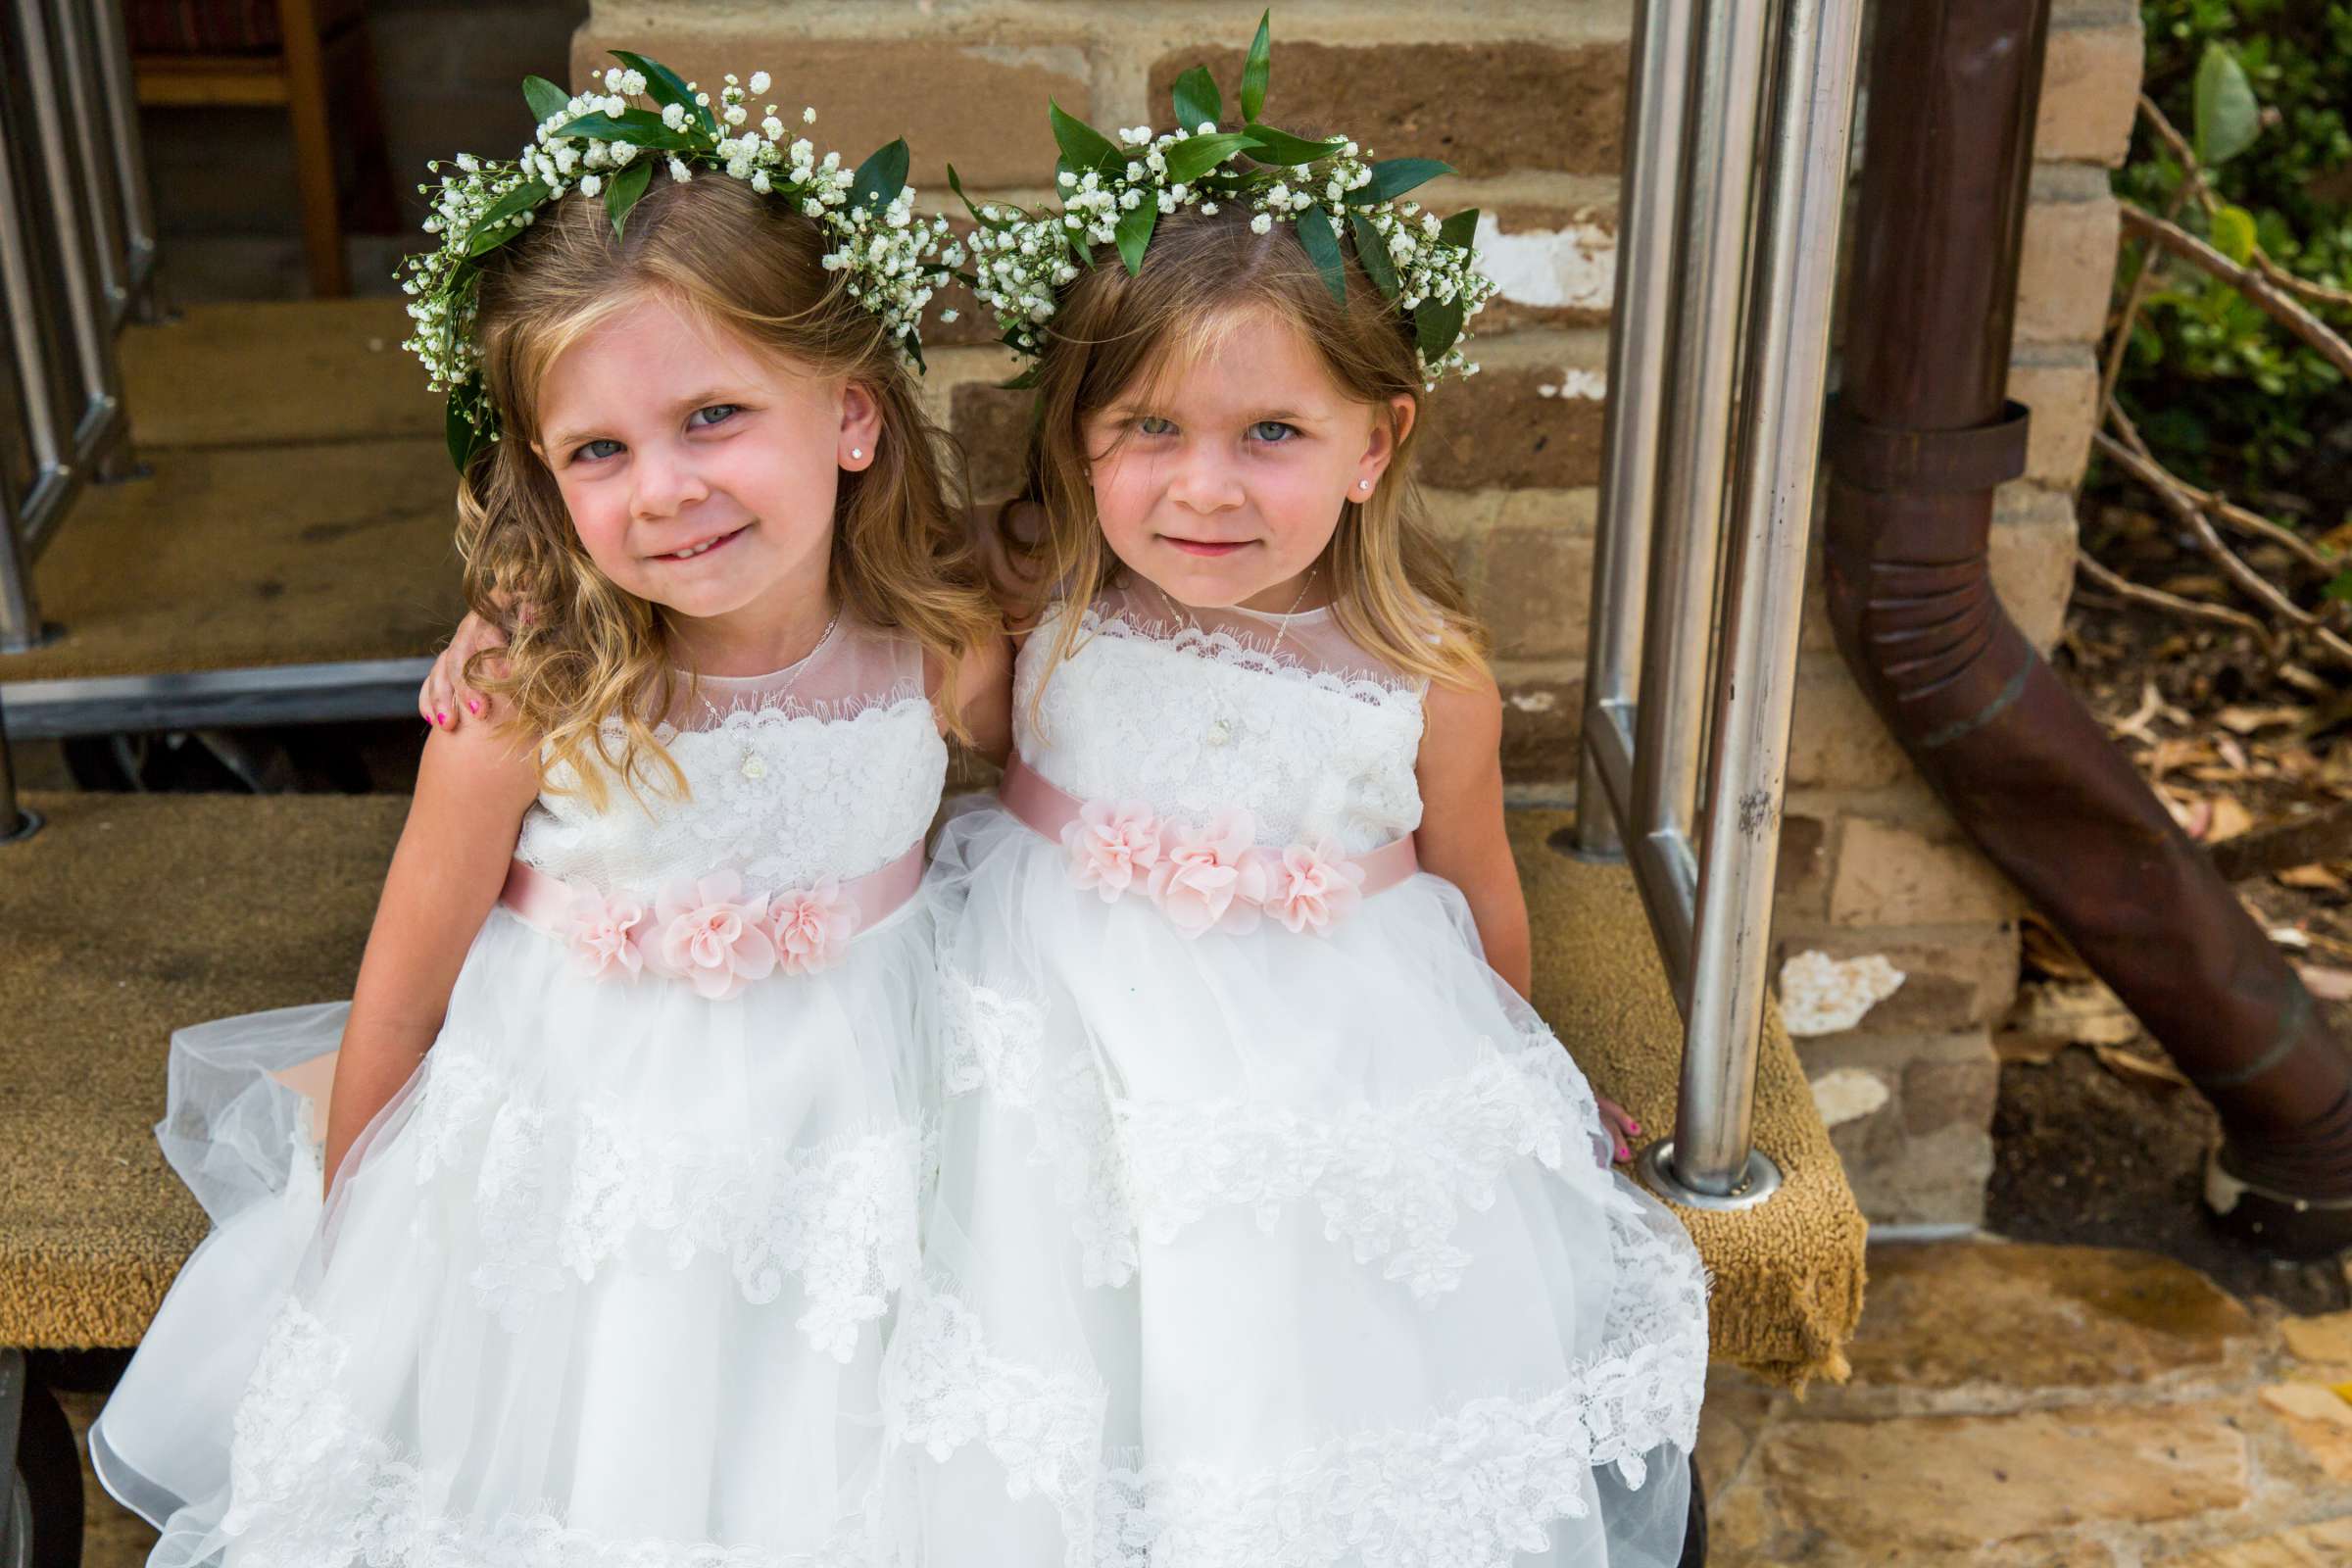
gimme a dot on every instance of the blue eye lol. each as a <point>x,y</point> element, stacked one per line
<point>1149,420</point>
<point>1272,432</point>
<point>719,414</point>
<point>589,449</point>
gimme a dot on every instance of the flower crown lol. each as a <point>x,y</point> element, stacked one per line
<point>1114,194</point>
<point>593,144</point>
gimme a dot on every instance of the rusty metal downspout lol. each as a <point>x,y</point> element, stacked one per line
<point>1918,438</point>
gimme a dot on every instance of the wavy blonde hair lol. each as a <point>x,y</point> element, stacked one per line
<point>588,654</point>
<point>1394,591</point>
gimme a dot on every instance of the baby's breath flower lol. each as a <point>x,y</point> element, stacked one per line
<point>808,116</point>
<point>674,116</point>
<point>759,81</point>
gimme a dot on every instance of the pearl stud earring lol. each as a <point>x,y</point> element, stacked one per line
<point>857,454</point>
<point>1363,484</point>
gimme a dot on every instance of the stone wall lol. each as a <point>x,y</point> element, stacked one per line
<point>1526,102</point>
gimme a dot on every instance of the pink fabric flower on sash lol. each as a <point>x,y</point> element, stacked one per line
<point>811,926</point>
<point>1111,845</point>
<point>712,937</point>
<point>1210,875</point>
<point>1310,886</point>
<point>604,934</point>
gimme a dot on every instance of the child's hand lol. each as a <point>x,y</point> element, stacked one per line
<point>445,695</point>
<point>1621,1125</point>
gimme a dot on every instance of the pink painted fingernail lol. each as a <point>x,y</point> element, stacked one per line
<point>440,717</point>
<point>1633,1127</point>
<point>472,707</point>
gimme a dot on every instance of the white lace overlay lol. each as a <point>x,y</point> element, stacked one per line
<point>560,1193</point>
<point>310,1489</point>
<point>996,1041</point>
<point>1472,1488</point>
<point>1310,752</point>
<point>832,767</point>
<point>1390,1180</point>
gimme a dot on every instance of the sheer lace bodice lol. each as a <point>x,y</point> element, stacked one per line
<point>832,766</point>
<point>1198,711</point>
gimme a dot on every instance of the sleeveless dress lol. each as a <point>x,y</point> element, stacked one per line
<point>1273,1230</point>
<point>605,1283</point>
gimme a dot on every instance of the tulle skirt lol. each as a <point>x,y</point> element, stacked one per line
<point>1274,1251</point>
<point>605,1284</point>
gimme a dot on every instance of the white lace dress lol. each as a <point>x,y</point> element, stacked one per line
<point>1265,1247</point>
<point>605,1283</point>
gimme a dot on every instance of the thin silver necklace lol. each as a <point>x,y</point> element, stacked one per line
<point>753,768</point>
<point>1220,729</point>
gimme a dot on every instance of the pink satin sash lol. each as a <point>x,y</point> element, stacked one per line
<point>1047,808</point>
<point>546,902</point>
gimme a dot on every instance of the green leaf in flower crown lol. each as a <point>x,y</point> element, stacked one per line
<point>1271,146</point>
<point>1189,158</point>
<point>664,86</point>
<point>639,127</point>
<point>1083,147</point>
<point>2340,587</point>
<point>2228,118</point>
<point>1394,176</point>
<point>881,178</point>
<point>457,426</point>
<point>547,100</point>
<point>1323,249</point>
<point>1435,326</point>
<point>913,346</point>
<point>1198,101</point>
<point>1255,69</point>
<point>956,185</point>
<point>621,191</point>
<point>1135,233</point>
<point>1372,254</point>
<point>1461,230</point>
<point>496,225</point>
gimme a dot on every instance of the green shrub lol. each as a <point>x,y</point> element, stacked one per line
<point>2225,395</point>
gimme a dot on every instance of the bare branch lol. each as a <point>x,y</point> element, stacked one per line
<point>2278,305</point>
<point>2227,510</point>
<point>2157,599</point>
<point>2192,180</point>
<point>2321,293</point>
<point>2253,584</point>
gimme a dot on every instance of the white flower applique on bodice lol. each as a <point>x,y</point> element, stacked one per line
<point>830,767</point>
<point>1195,713</point>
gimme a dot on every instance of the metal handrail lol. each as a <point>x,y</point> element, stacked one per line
<point>1753,249</point>
<point>77,249</point>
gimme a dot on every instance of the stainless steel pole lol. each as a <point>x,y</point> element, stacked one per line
<point>1639,317</point>
<point>1712,1160</point>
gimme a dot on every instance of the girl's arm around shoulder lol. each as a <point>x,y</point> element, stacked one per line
<point>472,787</point>
<point>1462,837</point>
<point>983,697</point>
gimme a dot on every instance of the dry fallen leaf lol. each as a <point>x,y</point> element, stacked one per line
<point>2068,1013</point>
<point>2246,720</point>
<point>2049,952</point>
<point>2327,984</point>
<point>2231,753</point>
<point>2230,819</point>
<point>2312,879</point>
<point>2144,1069</point>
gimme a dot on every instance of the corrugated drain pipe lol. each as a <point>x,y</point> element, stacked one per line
<point>1918,438</point>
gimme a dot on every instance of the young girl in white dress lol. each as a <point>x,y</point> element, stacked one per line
<point>626,1134</point>
<point>1273,1229</point>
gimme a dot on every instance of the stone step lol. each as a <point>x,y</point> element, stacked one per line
<point>260,374</point>
<point>233,557</point>
<point>130,916</point>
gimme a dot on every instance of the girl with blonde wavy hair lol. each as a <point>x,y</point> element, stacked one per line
<point>1273,1224</point>
<point>622,1151</point>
